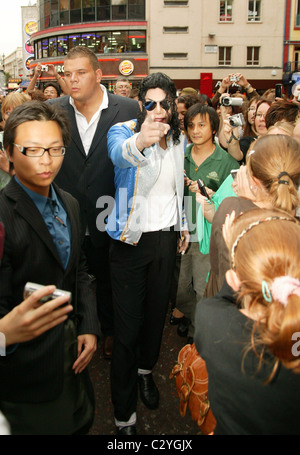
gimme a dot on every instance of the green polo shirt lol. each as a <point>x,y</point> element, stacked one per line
<point>213,171</point>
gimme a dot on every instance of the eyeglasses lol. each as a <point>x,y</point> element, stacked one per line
<point>59,150</point>
<point>151,105</point>
<point>260,115</point>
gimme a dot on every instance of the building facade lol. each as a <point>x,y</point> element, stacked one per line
<point>196,42</point>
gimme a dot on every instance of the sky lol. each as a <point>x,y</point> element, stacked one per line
<point>11,25</point>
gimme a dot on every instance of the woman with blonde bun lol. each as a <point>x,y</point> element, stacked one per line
<point>270,179</point>
<point>249,333</point>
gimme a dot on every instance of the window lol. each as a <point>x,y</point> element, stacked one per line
<point>176,55</point>
<point>224,55</point>
<point>64,12</point>
<point>118,9</point>
<point>103,10</point>
<point>47,14</point>
<point>75,11</point>
<point>52,47</point>
<point>54,13</point>
<point>100,42</point>
<point>176,29</point>
<point>176,3</point>
<point>45,45</point>
<point>254,11</point>
<point>252,55</point>
<point>226,11</point>
<point>297,24</point>
<point>88,13</point>
<point>136,9</point>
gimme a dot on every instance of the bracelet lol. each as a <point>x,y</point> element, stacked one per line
<point>232,137</point>
<point>248,87</point>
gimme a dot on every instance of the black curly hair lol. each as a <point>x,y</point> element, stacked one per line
<point>162,81</point>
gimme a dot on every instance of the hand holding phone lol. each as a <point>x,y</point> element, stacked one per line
<point>202,189</point>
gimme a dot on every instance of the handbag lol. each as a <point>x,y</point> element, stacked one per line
<point>192,387</point>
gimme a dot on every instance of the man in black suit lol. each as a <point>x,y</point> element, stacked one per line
<point>87,172</point>
<point>44,383</point>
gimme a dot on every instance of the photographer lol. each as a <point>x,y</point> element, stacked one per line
<point>51,86</point>
<point>230,114</point>
<point>238,147</point>
<point>227,83</point>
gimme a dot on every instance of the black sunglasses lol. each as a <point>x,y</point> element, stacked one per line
<point>151,105</point>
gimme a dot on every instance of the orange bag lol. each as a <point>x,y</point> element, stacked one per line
<point>192,387</point>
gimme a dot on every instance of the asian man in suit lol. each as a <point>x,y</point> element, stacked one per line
<point>44,383</point>
<point>87,172</point>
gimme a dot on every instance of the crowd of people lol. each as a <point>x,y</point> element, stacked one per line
<point>117,206</point>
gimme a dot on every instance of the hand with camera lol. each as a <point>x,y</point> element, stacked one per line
<point>231,135</point>
<point>30,318</point>
<point>36,75</point>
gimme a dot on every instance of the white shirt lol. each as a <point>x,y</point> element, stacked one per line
<point>87,129</point>
<point>162,202</point>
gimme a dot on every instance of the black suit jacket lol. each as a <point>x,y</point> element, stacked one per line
<point>34,371</point>
<point>87,177</point>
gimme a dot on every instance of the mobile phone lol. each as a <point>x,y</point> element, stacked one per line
<point>278,91</point>
<point>233,173</point>
<point>31,287</point>
<point>202,189</point>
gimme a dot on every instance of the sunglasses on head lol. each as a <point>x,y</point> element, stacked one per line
<point>151,105</point>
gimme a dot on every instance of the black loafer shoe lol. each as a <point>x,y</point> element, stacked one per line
<point>183,327</point>
<point>148,391</point>
<point>127,431</point>
<point>174,320</point>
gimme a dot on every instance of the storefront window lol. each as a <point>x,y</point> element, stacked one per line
<point>89,40</point>
<point>39,49</point>
<point>45,48</point>
<point>74,40</point>
<point>53,47</point>
<point>137,41</point>
<point>100,42</point>
<point>62,46</point>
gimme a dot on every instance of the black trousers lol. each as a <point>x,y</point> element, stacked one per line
<point>98,264</point>
<point>141,280</point>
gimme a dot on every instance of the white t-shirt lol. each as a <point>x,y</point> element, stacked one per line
<point>162,201</point>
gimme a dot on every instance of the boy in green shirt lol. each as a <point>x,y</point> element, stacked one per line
<point>205,160</point>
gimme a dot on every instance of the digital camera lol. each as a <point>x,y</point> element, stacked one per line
<point>228,101</point>
<point>31,287</point>
<point>44,67</point>
<point>234,78</point>
<point>236,120</point>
